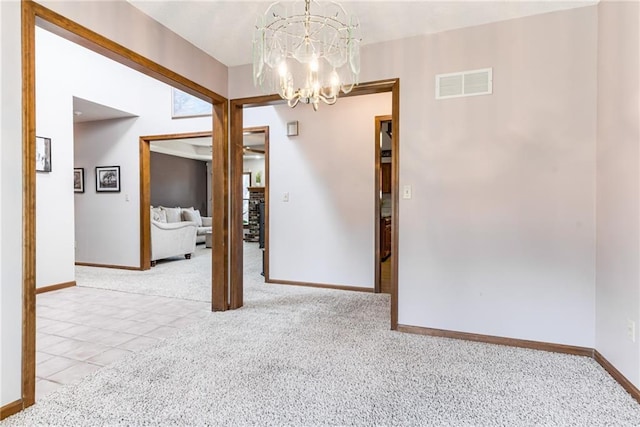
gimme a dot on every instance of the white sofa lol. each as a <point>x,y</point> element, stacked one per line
<point>204,223</point>
<point>170,235</point>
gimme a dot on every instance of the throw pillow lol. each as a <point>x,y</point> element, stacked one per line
<point>173,214</point>
<point>158,214</point>
<point>193,216</point>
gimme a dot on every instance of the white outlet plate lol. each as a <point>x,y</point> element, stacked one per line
<point>285,197</point>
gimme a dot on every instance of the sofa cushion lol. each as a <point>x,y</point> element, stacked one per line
<point>158,214</point>
<point>192,215</point>
<point>173,214</point>
<point>203,230</point>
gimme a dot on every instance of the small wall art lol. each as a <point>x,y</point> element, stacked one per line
<point>108,179</point>
<point>78,180</point>
<point>43,154</point>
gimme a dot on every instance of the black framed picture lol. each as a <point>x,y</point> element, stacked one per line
<point>108,179</point>
<point>78,180</point>
<point>43,154</point>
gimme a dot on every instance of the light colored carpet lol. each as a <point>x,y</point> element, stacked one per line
<point>194,274</point>
<point>305,357</point>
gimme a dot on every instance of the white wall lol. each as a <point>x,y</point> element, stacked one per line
<point>325,233</point>
<point>618,191</point>
<point>10,204</point>
<point>54,190</point>
<point>499,237</point>
<point>119,21</point>
<point>107,224</point>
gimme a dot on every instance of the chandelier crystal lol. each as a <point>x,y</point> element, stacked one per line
<point>305,56</point>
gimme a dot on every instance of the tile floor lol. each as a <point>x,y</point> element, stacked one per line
<point>79,330</point>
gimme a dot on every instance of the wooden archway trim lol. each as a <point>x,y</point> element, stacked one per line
<point>32,14</point>
<point>235,147</point>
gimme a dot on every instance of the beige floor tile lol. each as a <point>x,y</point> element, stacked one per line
<point>162,332</point>
<point>74,331</point>
<point>45,387</point>
<point>115,338</point>
<point>142,328</point>
<point>177,310</point>
<point>124,313</point>
<point>60,348</point>
<point>139,343</point>
<point>44,341</point>
<point>42,357</point>
<point>85,350</point>
<point>42,323</point>
<point>160,319</point>
<point>121,325</point>
<point>93,335</point>
<point>74,373</point>
<point>59,315</point>
<point>53,365</point>
<point>109,356</point>
<point>55,327</point>
<point>98,321</point>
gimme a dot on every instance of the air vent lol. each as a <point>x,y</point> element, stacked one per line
<point>465,83</point>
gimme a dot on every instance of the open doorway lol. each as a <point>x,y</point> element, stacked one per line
<point>36,15</point>
<point>383,201</point>
<point>286,199</point>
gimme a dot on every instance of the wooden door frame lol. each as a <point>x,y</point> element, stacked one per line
<point>376,191</point>
<point>235,148</point>
<point>33,14</point>
<point>265,130</point>
<point>145,188</point>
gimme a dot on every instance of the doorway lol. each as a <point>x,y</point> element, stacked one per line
<point>236,123</point>
<point>34,15</point>
<point>383,202</point>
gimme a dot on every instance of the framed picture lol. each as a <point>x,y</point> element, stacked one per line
<point>108,179</point>
<point>184,105</point>
<point>78,180</point>
<point>43,154</point>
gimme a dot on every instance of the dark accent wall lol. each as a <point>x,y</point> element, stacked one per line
<point>176,181</point>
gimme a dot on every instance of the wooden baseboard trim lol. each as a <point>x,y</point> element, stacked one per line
<point>120,267</point>
<point>536,345</point>
<point>55,287</point>
<point>318,285</point>
<point>490,339</point>
<point>10,409</point>
<point>617,375</point>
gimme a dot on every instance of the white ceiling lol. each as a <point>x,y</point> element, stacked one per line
<point>224,28</point>
<point>200,148</point>
<point>88,111</point>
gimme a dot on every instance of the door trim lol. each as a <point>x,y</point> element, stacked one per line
<point>377,189</point>
<point>33,14</point>
<point>265,130</point>
<point>145,188</point>
<point>235,147</point>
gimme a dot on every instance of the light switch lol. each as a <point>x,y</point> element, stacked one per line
<point>285,197</point>
<point>406,192</point>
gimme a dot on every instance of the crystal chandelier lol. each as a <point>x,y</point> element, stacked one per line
<point>305,56</point>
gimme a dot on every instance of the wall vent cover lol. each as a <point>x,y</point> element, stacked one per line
<point>465,83</point>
